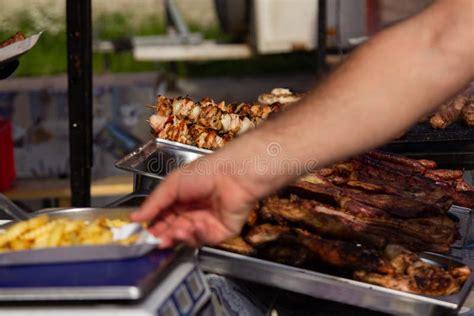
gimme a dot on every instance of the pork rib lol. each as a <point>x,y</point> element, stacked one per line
<point>337,253</point>
<point>428,234</point>
<point>313,186</point>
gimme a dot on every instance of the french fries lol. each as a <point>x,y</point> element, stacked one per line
<point>43,232</point>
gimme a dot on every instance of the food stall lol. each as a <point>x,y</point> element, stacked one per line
<point>377,233</point>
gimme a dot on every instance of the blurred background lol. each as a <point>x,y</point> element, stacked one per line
<point>228,50</point>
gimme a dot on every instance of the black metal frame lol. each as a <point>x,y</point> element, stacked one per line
<point>79,47</point>
<point>322,67</point>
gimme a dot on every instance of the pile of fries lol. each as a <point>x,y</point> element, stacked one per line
<point>42,232</point>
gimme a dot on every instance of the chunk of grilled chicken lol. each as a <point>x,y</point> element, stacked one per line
<point>279,95</point>
<point>416,276</point>
<point>220,117</point>
<point>192,134</point>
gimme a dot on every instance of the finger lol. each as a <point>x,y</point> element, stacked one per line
<point>181,230</point>
<point>184,231</point>
<point>164,224</point>
<point>165,243</point>
<point>161,198</point>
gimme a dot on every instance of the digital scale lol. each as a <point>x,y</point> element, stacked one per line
<point>165,283</point>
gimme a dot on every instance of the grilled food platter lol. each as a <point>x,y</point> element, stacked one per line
<point>335,288</point>
<point>362,231</point>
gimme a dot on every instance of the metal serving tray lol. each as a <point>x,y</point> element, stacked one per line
<point>464,215</point>
<point>77,253</point>
<point>159,157</point>
<point>338,289</point>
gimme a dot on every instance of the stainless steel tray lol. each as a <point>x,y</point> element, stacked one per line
<point>465,225</point>
<point>158,157</point>
<point>77,253</point>
<point>324,286</point>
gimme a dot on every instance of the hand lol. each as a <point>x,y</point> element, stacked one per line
<point>195,208</point>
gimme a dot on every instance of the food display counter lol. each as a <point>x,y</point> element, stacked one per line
<point>379,231</point>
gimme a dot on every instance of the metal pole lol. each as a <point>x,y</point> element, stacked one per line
<point>79,49</point>
<point>321,49</point>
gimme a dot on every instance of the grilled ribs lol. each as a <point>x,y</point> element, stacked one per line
<point>361,223</point>
<point>337,253</point>
<point>403,204</point>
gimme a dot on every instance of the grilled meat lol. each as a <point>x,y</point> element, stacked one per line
<point>238,245</point>
<point>279,96</point>
<point>448,113</point>
<point>19,36</point>
<point>337,253</point>
<point>192,134</point>
<point>219,117</point>
<point>428,164</point>
<point>462,186</point>
<point>366,168</point>
<point>444,174</point>
<point>468,113</point>
<point>412,164</point>
<point>395,267</point>
<point>415,276</point>
<point>361,223</point>
<point>402,205</point>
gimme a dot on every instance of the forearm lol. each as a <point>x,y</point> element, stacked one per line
<point>383,88</point>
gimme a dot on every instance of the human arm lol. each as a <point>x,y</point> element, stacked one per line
<point>385,86</point>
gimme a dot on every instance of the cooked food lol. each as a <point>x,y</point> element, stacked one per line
<point>42,232</point>
<point>428,164</point>
<point>448,113</point>
<point>361,223</point>
<point>334,252</point>
<point>238,245</point>
<point>400,180</point>
<point>468,113</point>
<point>279,96</point>
<point>205,124</point>
<point>411,164</point>
<point>19,36</point>
<point>224,118</point>
<point>393,266</point>
<point>444,174</point>
<point>363,218</point>
<point>416,276</point>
